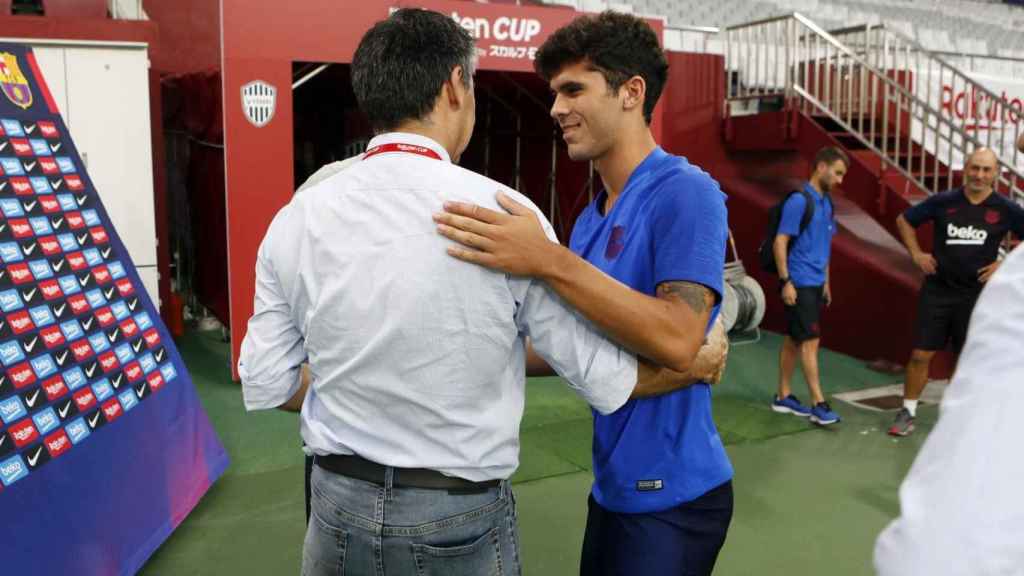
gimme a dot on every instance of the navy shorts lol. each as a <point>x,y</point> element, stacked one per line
<point>681,541</point>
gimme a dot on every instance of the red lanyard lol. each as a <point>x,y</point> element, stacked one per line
<point>400,147</point>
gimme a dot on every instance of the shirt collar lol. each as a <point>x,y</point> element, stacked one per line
<point>648,164</point>
<point>645,166</point>
<point>409,138</point>
<point>812,191</point>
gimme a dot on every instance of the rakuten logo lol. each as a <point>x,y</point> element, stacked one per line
<point>19,273</point>
<point>57,443</point>
<point>49,204</point>
<point>101,274</point>
<point>51,289</point>
<point>109,361</point>
<point>85,399</point>
<point>22,375</point>
<point>99,235</point>
<point>21,147</point>
<point>134,371</point>
<point>502,28</point>
<point>81,350</point>
<point>49,245</point>
<point>48,129</point>
<point>76,260</point>
<point>55,388</point>
<point>78,304</point>
<point>24,433</point>
<point>112,410</point>
<point>48,166</point>
<point>968,235</point>
<point>52,337</point>
<point>105,316</point>
<point>21,186</point>
<point>155,380</point>
<point>20,322</point>
<point>129,329</point>
<point>21,228</point>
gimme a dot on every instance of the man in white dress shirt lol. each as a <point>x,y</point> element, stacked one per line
<point>962,513</point>
<point>416,359</point>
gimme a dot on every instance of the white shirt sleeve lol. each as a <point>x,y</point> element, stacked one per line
<point>961,507</point>
<point>272,350</point>
<point>596,368</point>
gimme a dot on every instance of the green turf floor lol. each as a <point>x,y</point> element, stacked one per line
<point>808,500</point>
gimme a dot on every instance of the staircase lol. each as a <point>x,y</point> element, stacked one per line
<point>909,115</point>
<point>791,88</point>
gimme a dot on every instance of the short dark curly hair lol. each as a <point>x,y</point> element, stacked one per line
<point>619,45</point>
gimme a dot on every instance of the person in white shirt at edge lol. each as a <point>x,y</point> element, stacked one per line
<point>961,507</point>
<point>416,360</point>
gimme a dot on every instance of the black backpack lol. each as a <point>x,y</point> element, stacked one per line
<point>765,252</point>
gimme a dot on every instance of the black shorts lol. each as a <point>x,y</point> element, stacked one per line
<point>802,319</point>
<point>942,316</point>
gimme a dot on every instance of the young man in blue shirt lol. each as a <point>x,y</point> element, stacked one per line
<point>662,494</point>
<point>802,256</point>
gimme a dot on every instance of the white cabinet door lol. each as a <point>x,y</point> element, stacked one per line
<point>51,64</point>
<point>108,116</point>
<point>150,279</point>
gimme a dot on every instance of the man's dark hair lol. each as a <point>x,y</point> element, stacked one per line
<point>619,46</point>
<point>830,154</point>
<point>402,63</point>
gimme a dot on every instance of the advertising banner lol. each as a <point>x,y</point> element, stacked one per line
<point>104,447</point>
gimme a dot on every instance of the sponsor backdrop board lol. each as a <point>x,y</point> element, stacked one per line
<point>104,447</point>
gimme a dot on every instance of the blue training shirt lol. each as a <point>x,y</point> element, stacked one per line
<point>669,223</point>
<point>809,252</point>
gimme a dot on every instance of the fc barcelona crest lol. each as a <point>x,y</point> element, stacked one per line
<point>259,100</point>
<point>12,82</point>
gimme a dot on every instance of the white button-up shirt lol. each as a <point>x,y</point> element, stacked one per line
<point>961,507</point>
<point>417,359</point>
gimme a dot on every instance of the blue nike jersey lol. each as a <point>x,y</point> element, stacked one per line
<point>669,224</point>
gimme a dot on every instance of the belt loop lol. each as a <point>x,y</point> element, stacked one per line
<point>389,482</point>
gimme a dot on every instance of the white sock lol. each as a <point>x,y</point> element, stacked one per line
<point>911,406</point>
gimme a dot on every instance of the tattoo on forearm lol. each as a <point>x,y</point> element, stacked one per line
<point>698,297</point>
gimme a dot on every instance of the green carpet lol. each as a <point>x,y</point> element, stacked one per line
<point>806,498</point>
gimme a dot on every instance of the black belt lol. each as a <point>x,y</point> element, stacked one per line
<point>363,469</point>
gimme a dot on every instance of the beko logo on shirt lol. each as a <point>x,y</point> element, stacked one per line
<point>965,235</point>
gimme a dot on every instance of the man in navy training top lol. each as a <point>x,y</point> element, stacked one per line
<point>662,495</point>
<point>969,224</point>
<point>802,259</point>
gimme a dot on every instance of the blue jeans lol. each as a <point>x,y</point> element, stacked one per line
<point>360,528</point>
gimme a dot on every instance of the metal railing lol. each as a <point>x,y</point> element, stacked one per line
<point>870,84</point>
<point>991,117</point>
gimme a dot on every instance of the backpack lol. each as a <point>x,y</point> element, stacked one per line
<point>765,252</point>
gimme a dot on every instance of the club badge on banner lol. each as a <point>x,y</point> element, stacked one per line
<point>102,438</point>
